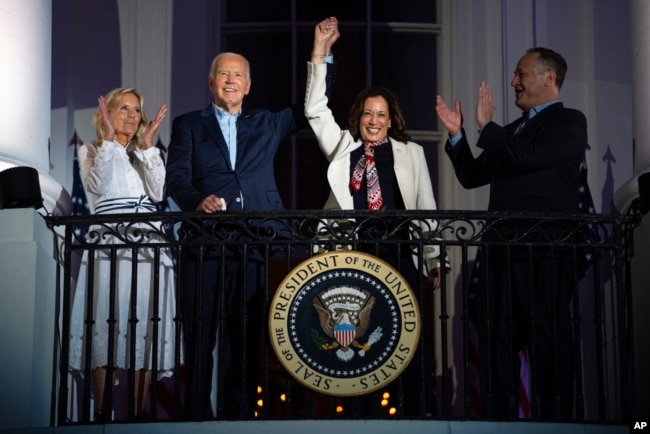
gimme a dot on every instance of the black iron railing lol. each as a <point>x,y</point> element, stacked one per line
<point>597,247</point>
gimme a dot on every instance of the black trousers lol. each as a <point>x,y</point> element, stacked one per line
<point>221,298</point>
<point>525,303</point>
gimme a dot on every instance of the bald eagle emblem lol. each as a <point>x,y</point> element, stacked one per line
<point>344,315</point>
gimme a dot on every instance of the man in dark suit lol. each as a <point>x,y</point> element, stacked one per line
<point>222,158</point>
<point>531,165</point>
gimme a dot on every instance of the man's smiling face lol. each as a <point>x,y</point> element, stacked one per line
<point>230,82</point>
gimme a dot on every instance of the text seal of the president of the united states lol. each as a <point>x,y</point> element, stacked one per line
<point>344,323</point>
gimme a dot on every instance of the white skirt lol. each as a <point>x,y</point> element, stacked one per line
<point>143,307</point>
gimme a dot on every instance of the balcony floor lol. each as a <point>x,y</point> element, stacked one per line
<point>330,426</point>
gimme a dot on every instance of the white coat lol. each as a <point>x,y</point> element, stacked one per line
<point>410,165</point>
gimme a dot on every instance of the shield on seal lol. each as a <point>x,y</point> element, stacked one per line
<point>344,334</point>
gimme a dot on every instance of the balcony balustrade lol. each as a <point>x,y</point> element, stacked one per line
<point>598,248</point>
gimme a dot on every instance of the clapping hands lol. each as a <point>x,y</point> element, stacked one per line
<point>152,127</point>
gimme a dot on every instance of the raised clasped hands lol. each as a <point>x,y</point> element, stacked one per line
<point>326,33</point>
<point>152,127</point>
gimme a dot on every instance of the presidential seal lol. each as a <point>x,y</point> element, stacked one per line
<point>344,323</point>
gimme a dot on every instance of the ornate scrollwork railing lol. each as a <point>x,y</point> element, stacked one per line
<point>606,240</point>
<point>346,226</point>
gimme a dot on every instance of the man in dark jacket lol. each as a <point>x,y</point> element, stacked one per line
<point>531,165</point>
<point>222,158</point>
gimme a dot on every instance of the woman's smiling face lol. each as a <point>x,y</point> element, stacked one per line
<point>375,119</point>
<point>126,117</point>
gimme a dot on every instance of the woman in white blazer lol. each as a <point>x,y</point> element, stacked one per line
<point>374,117</point>
<point>373,165</point>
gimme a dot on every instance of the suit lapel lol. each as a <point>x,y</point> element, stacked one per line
<point>339,169</point>
<point>243,135</point>
<point>402,166</point>
<point>212,127</point>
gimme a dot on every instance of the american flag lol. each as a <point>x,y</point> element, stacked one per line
<point>586,204</point>
<point>164,205</point>
<point>585,201</point>
<point>79,201</point>
<point>163,149</point>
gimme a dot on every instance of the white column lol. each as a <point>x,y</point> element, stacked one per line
<point>640,13</point>
<point>640,32</point>
<point>27,267</point>
<point>25,86</point>
<point>623,198</point>
<point>27,334</point>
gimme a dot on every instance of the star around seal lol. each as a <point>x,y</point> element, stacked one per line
<point>344,323</point>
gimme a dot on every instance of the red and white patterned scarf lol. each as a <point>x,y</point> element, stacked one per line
<point>367,163</point>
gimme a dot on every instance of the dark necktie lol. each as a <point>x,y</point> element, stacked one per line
<point>524,119</point>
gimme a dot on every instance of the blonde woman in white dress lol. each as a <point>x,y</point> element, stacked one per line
<point>122,172</point>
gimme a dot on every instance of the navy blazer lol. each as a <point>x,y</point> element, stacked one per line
<point>535,170</point>
<point>199,163</point>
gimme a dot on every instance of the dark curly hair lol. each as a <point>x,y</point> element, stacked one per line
<point>397,129</point>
